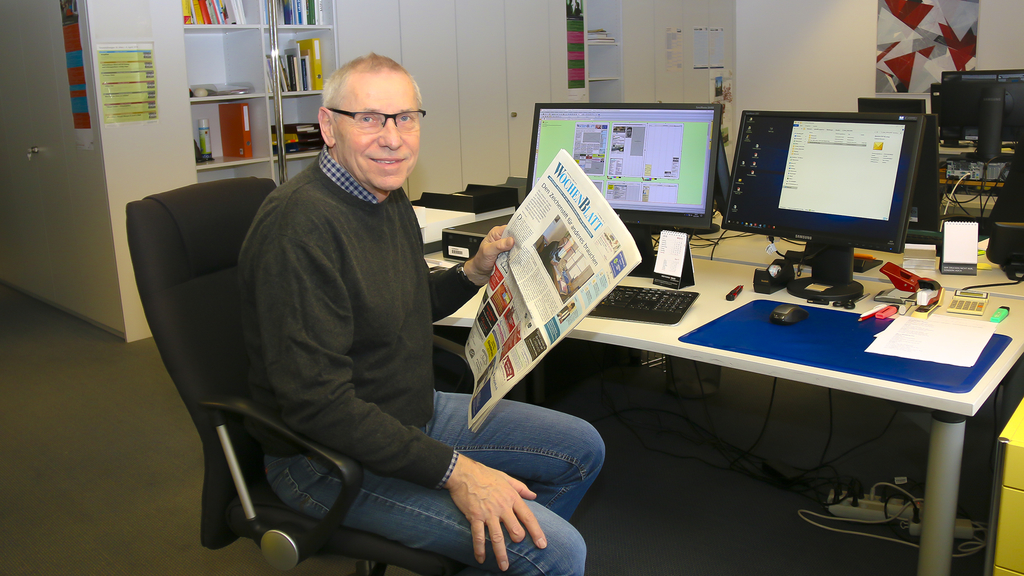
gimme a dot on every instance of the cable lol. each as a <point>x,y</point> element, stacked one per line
<point>966,548</point>
<point>829,440</point>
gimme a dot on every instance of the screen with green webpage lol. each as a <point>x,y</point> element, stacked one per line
<point>642,159</point>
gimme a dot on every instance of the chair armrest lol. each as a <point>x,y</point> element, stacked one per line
<point>458,350</point>
<point>348,470</point>
<point>452,347</point>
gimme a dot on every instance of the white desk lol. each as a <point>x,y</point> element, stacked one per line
<point>716,278</point>
<point>750,250</point>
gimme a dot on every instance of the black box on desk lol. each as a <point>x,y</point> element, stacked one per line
<point>477,199</point>
<point>461,242</point>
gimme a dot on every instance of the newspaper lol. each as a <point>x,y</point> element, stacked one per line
<point>570,250</point>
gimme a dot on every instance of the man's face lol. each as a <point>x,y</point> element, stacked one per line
<point>380,162</point>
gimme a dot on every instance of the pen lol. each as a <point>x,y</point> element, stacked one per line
<point>734,293</point>
<point>870,313</point>
<point>1000,314</point>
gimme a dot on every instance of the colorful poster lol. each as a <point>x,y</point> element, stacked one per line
<point>127,82</point>
<point>76,74</point>
<point>576,38</point>
<point>919,39</point>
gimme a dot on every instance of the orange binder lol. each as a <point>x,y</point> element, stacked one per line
<point>235,135</point>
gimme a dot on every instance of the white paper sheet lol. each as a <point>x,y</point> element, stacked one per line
<point>942,339</point>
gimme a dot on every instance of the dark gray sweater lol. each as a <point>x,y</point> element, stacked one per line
<point>337,307</point>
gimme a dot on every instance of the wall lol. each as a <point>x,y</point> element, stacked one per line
<point>820,55</point>
<point>143,158</point>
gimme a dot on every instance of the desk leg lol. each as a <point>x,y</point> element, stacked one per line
<point>942,486</point>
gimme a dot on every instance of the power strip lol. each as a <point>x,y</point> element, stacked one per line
<point>874,510</point>
<point>871,510</point>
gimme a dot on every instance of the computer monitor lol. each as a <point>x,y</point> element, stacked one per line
<point>836,180</point>
<point>720,192</point>
<point>654,163</point>
<point>924,206</point>
<point>982,105</point>
<point>892,105</point>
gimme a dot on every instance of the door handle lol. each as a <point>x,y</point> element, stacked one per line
<point>33,150</point>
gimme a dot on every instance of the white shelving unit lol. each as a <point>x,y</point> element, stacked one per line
<point>604,66</point>
<point>237,55</point>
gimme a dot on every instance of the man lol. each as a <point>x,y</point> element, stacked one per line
<point>338,306</point>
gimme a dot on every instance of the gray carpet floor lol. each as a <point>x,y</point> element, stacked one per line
<point>103,470</point>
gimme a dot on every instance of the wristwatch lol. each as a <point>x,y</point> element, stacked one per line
<point>461,271</point>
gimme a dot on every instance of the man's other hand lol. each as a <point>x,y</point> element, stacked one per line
<point>478,268</point>
<point>490,498</point>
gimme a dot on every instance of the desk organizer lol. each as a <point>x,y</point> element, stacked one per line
<point>834,340</point>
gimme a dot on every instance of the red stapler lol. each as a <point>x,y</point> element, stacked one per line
<point>910,282</point>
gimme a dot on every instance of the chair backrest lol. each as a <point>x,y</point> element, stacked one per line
<point>184,247</point>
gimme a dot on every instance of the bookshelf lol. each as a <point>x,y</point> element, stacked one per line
<point>604,50</point>
<point>218,57</point>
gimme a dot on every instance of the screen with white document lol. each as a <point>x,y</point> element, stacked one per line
<point>834,180</point>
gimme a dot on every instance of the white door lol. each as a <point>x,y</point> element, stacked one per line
<point>55,236</point>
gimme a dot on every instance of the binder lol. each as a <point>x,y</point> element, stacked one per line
<point>311,47</point>
<point>235,133</point>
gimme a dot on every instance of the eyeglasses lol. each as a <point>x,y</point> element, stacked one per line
<point>373,122</point>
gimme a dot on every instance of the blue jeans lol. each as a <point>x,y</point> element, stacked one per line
<point>558,456</point>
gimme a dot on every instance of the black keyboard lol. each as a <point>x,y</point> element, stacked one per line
<point>651,305</point>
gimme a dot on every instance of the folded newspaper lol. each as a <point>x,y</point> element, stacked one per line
<point>570,250</point>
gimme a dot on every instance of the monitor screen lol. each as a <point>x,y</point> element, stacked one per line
<point>892,105</point>
<point>982,105</point>
<point>654,163</point>
<point>835,180</point>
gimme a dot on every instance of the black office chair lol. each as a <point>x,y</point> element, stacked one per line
<point>184,246</point>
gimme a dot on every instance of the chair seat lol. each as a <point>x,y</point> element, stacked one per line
<point>345,542</point>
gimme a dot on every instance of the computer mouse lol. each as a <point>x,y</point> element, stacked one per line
<point>786,314</point>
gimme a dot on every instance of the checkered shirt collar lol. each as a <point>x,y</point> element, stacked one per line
<point>337,173</point>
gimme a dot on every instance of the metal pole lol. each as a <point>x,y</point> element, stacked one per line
<point>275,56</point>
<point>941,489</point>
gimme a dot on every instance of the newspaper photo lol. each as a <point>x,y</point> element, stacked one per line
<point>570,250</point>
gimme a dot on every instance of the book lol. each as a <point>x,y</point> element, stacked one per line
<point>293,71</point>
<point>197,11</point>
<point>239,12</point>
<point>205,11</point>
<point>311,47</point>
<point>228,6</point>
<point>211,8</point>
<point>304,68</point>
<point>186,11</point>
<point>235,132</point>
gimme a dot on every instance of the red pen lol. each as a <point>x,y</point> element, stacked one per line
<point>735,292</point>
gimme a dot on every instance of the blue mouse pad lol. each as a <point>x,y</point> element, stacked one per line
<point>834,340</point>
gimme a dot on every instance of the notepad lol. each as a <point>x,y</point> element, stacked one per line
<point>960,248</point>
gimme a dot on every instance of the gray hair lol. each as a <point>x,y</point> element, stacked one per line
<point>337,84</point>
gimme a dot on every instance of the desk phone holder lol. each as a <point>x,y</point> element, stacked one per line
<point>773,278</point>
<point>907,281</point>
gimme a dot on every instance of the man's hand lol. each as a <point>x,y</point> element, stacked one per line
<point>490,498</point>
<point>478,268</point>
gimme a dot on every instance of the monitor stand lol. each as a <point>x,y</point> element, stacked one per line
<point>714,229</point>
<point>644,239</point>
<point>831,274</point>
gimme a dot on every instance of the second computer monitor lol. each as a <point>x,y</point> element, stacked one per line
<point>892,105</point>
<point>834,180</point>
<point>654,163</point>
